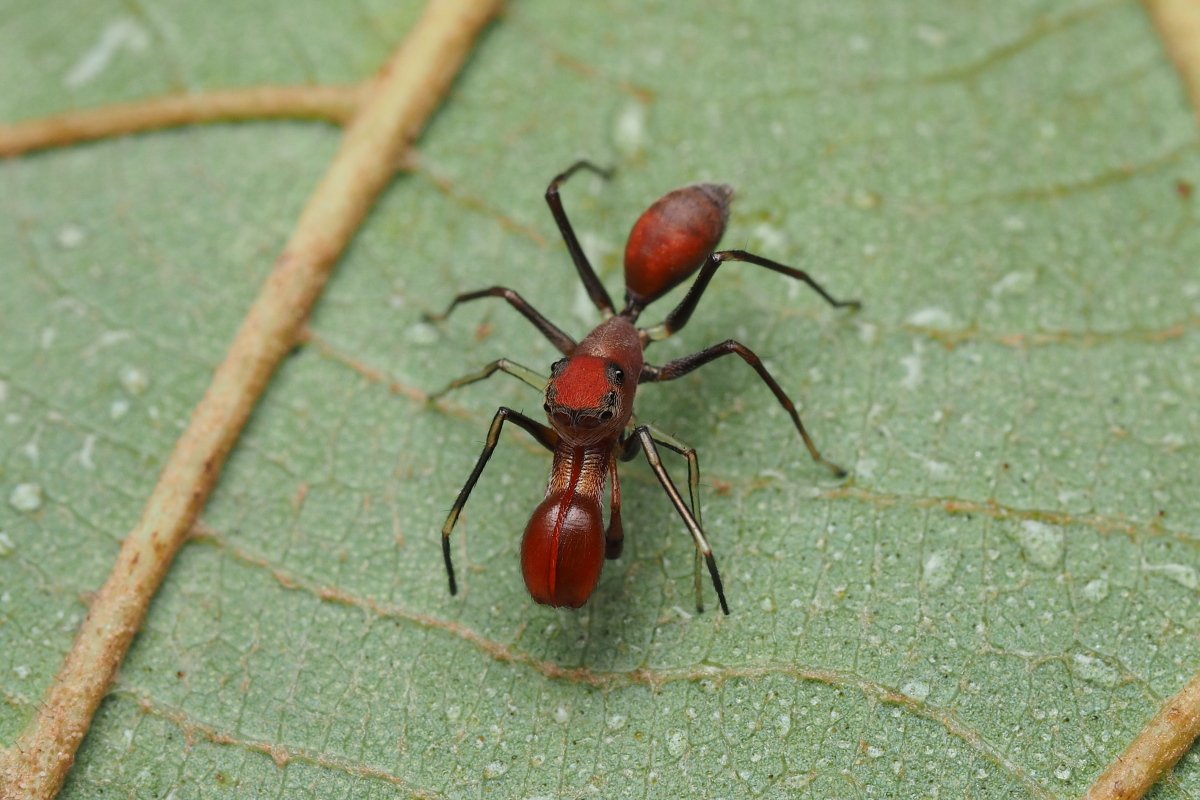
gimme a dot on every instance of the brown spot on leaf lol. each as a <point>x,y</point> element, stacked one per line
<point>299,495</point>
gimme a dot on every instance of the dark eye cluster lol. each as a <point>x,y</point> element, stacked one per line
<point>616,375</point>
<point>610,402</point>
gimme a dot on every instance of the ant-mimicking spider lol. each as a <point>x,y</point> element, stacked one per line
<point>589,394</point>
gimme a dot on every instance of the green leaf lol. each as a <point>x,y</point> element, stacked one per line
<point>990,608</point>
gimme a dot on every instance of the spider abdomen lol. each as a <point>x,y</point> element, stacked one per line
<point>563,549</point>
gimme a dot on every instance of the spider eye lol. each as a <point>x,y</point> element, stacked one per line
<point>606,415</point>
<point>557,367</point>
<point>616,375</point>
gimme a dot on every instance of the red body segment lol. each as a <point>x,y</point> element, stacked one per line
<point>589,398</point>
<point>563,547</point>
<point>583,383</point>
<point>616,340</point>
<point>672,239</point>
<point>563,550</point>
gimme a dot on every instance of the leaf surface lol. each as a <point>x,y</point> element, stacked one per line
<point>992,605</point>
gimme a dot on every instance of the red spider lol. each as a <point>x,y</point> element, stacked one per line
<point>589,395</point>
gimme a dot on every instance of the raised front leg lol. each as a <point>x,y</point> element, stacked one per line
<point>544,435</point>
<point>591,283</point>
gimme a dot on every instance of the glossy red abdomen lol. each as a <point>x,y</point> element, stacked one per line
<point>563,549</point>
<point>672,239</point>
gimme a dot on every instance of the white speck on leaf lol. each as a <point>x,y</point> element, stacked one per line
<point>913,368</point>
<point>22,671</point>
<point>917,690</point>
<point>85,453</point>
<point>770,238</point>
<point>772,474</point>
<point>1182,574</point>
<point>1042,544</point>
<point>939,470</point>
<point>931,318</point>
<point>1013,283</point>
<point>106,339</point>
<point>70,236</point>
<point>6,545</point>
<point>26,497</point>
<point>134,380</point>
<point>865,468</point>
<point>582,306</point>
<point>629,132</point>
<point>934,37</point>
<point>1093,670</point>
<point>118,34</point>
<point>598,248</point>
<point>421,333</point>
<point>939,568</point>
<point>1096,589</point>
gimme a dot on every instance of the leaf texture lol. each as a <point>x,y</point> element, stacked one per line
<point>990,608</point>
